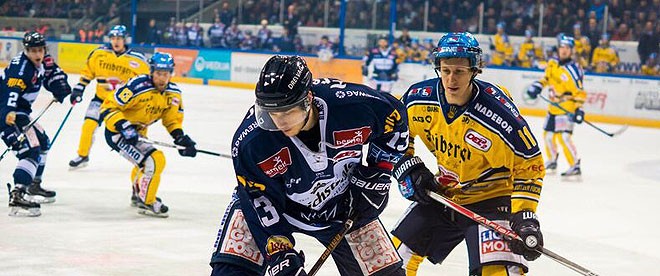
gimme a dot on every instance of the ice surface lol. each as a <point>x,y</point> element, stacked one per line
<point>607,222</point>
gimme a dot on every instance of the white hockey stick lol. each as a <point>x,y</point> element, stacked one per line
<point>510,234</point>
<point>146,140</point>
<point>611,134</point>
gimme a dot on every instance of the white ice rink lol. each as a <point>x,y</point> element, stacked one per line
<point>607,223</point>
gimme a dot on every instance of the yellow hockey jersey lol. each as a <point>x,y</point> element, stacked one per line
<point>582,49</point>
<point>484,149</point>
<point>140,103</point>
<point>111,70</point>
<point>604,59</point>
<point>528,53</point>
<point>503,52</point>
<point>565,81</point>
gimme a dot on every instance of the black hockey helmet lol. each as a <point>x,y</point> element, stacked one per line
<point>283,83</point>
<point>33,39</point>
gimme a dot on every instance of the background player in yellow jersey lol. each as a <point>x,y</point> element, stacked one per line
<point>488,161</point>
<point>111,66</point>
<point>605,58</point>
<point>564,77</point>
<point>144,100</point>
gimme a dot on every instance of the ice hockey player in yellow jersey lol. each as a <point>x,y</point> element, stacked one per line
<point>605,58</point>
<point>529,53</point>
<point>129,111</point>
<point>582,47</point>
<point>111,65</point>
<point>564,78</point>
<point>501,49</point>
<point>488,161</point>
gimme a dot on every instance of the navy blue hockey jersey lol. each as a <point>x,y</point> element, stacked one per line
<point>286,187</point>
<point>385,66</point>
<point>21,81</point>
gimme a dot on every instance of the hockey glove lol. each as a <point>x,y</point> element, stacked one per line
<point>128,132</point>
<point>10,118</point>
<point>286,263</point>
<point>57,83</point>
<point>394,76</point>
<point>365,70</point>
<point>185,141</point>
<point>578,116</point>
<point>10,137</point>
<point>415,179</point>
<point>368,191</point>
<point>526,225</point>
<point>77,93</point>
<point>534,90</point>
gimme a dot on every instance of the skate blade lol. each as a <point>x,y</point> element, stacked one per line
<point>152,213</point>
<point>39,199</point>
<point>572,178</point>
<point>24,212</point>
<point>80,166</point>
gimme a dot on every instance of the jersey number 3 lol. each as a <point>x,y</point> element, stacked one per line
<point>267,212</point>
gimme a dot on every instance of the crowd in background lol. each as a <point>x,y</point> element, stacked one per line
<point>72,9</point>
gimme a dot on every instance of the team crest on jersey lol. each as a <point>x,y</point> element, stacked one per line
<point>174,101</point>
<point>477,140</point>
<point>133,64</point>
<point>276,164</point>
<point>346,154</point>
<point>422,91</point>
<point>351,137</point>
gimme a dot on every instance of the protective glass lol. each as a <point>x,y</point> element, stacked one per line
<point>282,118</point>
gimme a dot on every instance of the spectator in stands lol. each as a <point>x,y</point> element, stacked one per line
<point>623,33</point>
<point>529,53</point>
<point>85,34</point>
<point>604,58</point>
<point>233,36</point>
<point>582,48</point>
<point>291,21</point>
<point>153,33</point>
<point>598,9</point>
<point>264,36</point>
<point>249,41</point>
<point>593,33</point>
<point>648,42</point>
<point>325,49</point>
<point>216,34</point>
<point>226,15</point>
<point>181,34</point>
<point>284,43</point>
<point>405,38</point>
<point>566,20</point>
<point>169,35</point>
<point>195,34</point>
<point>501,49</point>
<point>99,32</point>
<point>517,29</point>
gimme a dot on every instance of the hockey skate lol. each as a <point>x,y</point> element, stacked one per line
<point>36,193</point>
<point>78,162</point>
<point>156,209</point>
<point>135,200</point>
<point>21,207</point>
<point>573,172</point>
<point>551,165</point>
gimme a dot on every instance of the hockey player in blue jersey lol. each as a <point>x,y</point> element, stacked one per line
<point>386,69</point>
<point>19,88</point>
<point>298,161</point>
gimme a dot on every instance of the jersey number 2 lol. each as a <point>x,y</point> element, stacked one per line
<point>13,97</point>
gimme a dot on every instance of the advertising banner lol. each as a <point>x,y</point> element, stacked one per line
<point>212,64</point>
<point>348,70</point>
<point>183,58</point>
<point>246,67</point>
<point>72,57</point>
<point>9,48</point>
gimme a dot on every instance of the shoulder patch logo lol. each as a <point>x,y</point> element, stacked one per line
<point>133,64</point>
<point>422,91</point>
<point>277,163</point>
<point>125,95</point>
<point>477,140</point>
<point>351,137</point>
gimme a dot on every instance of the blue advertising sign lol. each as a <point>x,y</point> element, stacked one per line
<point>212,64</point>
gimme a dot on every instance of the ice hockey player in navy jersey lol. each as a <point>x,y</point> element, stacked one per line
<point>19,88</point>
<point>386,69</point>
<point>298,162</point>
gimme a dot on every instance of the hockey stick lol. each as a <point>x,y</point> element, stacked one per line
<point>21,137</point>
<point>509,234</point>
<point>146,140</point>
<point>611,134</point>
<point>66,117</point>
<point>332,245</point>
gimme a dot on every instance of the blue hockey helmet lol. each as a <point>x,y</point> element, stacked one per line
<point>458,45</point>
<point>563,39</point>
<point>117,30</point>
<point>161,61</point>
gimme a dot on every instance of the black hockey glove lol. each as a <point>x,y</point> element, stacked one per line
<point>185,141</point>
<point>526,225</point>
<point>368,191</point>
<point>534,90</point>
<point>58,84</point>
<point>10,137</point>
<point>365,70</point>
<point>394,76</point>
<point>128,132</point>
<point>77,93</point>
<point>578,116</point>
<point>415,179</point>
<point>286,263</point>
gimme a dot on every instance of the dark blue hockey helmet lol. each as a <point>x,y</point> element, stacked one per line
<point>283,83</point>
<point>161,61</point>
<point>458,45</point>
<point>33,39</point>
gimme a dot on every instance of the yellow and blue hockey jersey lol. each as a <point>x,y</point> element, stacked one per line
<point>566,89</point>
<point>140,103</point>
<point>111,70</point>
<point>484,149</point>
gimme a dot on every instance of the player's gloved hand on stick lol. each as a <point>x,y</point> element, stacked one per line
<point>394,76</point>
<point>10,118</point>
<point>368,190</point>
<point>534,90</point>
<point>128,132</point>
<point>286,263</point>
<point>10,137</point>
<point>185,141</point>
<point>415,179</point>
<point>578,116</point>
<point>365,71</point>
<point>77,93</point>
<point>526,225</point>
